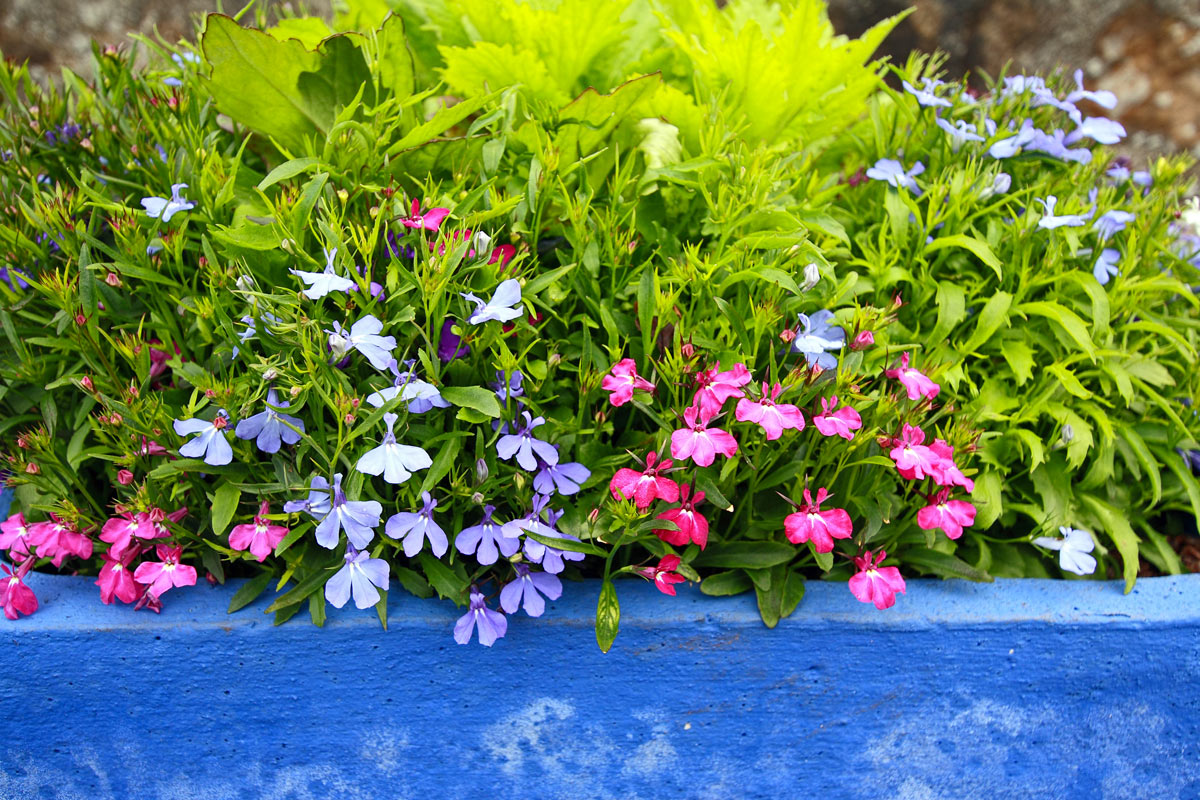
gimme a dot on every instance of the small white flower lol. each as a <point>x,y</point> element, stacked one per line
<point>1073,550</point>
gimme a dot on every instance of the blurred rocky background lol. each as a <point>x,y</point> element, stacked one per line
<point>1145,51</point>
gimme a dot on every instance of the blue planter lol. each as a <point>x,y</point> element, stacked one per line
<point>1022,689</point>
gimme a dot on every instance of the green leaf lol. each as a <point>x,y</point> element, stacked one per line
<point>447,454</point>
<point>1118,529</point>
<point>647,306</point>
<point>994,314</point>
<point>1146,459</point>
<point>1068,381</point>
<point>712,494</point>
<point>249,591</point>
<point>300,592</point>
<point>443,579</point>
<point>943,564</point>
<point>225,503</point>
<point>414,582</point>
<point>395,61</point>
<point>1019,357</point>
<point>952,309</point>
<point>608,616</point>
<point>572,545</point>
<point>473,397</point>
<point>439,123</point>
<point>316,609</point>
<point>723,584</point>
<point>290,169</point>
<point>745,555</point>
<point>1066,319</point>
<point>977,246</point>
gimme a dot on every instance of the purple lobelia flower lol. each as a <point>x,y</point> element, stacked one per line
<point>13,277</point>
<point>396,462</point>
<point>363,337</point>
<point>415,528</point>
<point>1010,146</point>
<point>527,589</point>
<point>1112,222</point>
<point>419,395</point>
<point>892,171</point>
<point>358,518</point>
<point>510,388</point>
<point>448,344</point>
<point>322,283</point>
<point>551,558</point>
<point>1098,129</point>
<point>163,208</point>
<point>1102,98</point>
<point>360,576</point>
<point>317,504</point>
<point>925,96</point>
<point>1105,268</point>
<point>815,336</point>
<point>211,444</point>
<point>960,131</point>
<point>268,427</point>
<point>505,305</point>
<point>523,445</point>
<point>489,538</point>
<point>564,478</point>
<point>1051,221</point>
<point>492,624</point>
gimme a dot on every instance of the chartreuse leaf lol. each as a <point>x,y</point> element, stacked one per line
<point>977,246</point>
<point>1066,319</point>
<point>303,588</point>
<point>608,616</point>
<point>1119,530</point>
<point>952,309</point>
<point>993,315</point>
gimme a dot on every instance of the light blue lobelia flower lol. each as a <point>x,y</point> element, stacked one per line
<point>523,445</point>
<point>564,478</point>
<point>925,96</point>
<point>358,518</point>
<point>551,558</point>
<point>487,540</point>
<point>363,337</point>
<point>815,337</point>
<point>415,527</point>
<point>317,504</point>
<point>1112,222</point>
<point>1050,220</point>
<point>492,624</point>
<point>210,444</point>
<point>1105,268</point>
<point>396,462</point>
<point>505,305</point>
<point>269,428</point>
<point>527,589</point>
<point>360,576</point>
<point>1073,550</point>
<point>420,395</point>
<point>163,208</point>
<point>960,131</point>
<point>1098,129</point>
<point>892,171</point>
<point>322,283</point>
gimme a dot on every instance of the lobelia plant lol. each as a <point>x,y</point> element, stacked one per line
<point>483,349</point>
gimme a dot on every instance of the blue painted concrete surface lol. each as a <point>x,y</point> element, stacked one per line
<point>1020,689</point>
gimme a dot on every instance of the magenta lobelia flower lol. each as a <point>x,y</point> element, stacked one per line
<point>120,531</point>
<point>693,527</point>
<point>875,584</point>
<point>259,537</point>
<point>116,579</point>
<point>159,576</point>
<point>699,443</point>
<point>949,515</point>
<point>664,575</point>
<point>766,412</point>
<point>431,220</point>
<point>716,387</point>
<point>646,486</point>
<point>57,539</point>
<point>622,380</point>
<point>840,422</point>
<point>944,471</point>
<point>492,624</point>
<point>810,523</point>
<point>14,537</point>
<point>15,596</point>
<point>527,589</point>
<point>917,384</point>
<point>913,459</point>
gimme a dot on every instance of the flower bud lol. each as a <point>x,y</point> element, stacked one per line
<point>124,477</point>
<point>343,196</point>
<point>80,319</point>
<point>113,280</point>
<point>812,276</point>
<point>1068,433</point>
<point>86,383</point>
<point>348,419</point>
<point>32,468</point>
<point>481,471</point>
<point>593,515</point>
<point>115,419</point>
<point>863,340</point>
<point>688,350</point>
<point>477,498</point>
<point>294,391</point>
<point>271,374</point>
<point>787,335</point>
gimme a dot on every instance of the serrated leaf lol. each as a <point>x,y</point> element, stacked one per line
<point>1019,357</point>
<point>1118,529</point>
<point>952,309</point>
<point>608,616</point>
<point>1066,319</point>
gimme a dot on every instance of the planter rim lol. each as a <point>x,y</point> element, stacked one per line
<point>72,603</point>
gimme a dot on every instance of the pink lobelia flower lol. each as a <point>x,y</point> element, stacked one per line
<point>913,459</point>
<point>945,472</point>
<point>116,579</point>
<point>119,532</point>
<point>622,380</point>
<point>647,486</point>
<point>917,384</point>
<point>876,585</point>
<point>259,537</point>
<point>431,220</point>
<point>841,422</point>
<point>664,575</point>
<point>693,527</point>
<point>697,442</point>
<point>159,576</point>
<point>15,596</point>
<point>821,527</point>
<point>14,537</point>
<point>57,539</point>
<point>773,417</point>
<point>716,387</point>
<point>949,515</point>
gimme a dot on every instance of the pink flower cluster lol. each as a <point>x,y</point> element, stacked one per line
<point>916,461</point>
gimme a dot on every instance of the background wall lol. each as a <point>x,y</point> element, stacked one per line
<point>1146,51</point>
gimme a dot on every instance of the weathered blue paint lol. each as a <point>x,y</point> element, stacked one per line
<point>1021,689</point>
